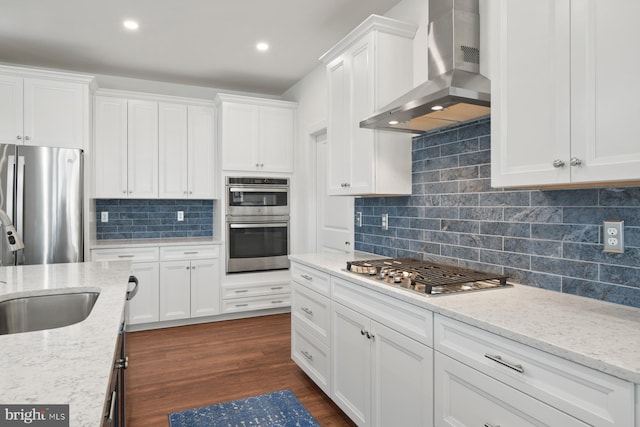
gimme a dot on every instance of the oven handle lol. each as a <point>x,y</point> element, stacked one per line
<point>257,190</point>
<point>261,225</point>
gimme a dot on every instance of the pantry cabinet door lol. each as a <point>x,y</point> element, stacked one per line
<point>110,148</point>
<point>11,110</point>
<point>172,151</point>
<point>240,136</point>
<point>338,126</point>
<point>175,290</point>
<point>604,89</point>
<point>530,92</point>
<point>276,133</point>
<point>201,153</point>
<point>143,149</point>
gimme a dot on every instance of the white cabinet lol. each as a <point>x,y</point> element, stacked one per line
<point>126,148</point>
<point>256,134</point>
<point>189,282</point>
<point>368,69</point>
<point>44,109</point>
<point>186,151</point>
<point>591,396</point>
<point>144,307</point>
<point>561,102</point>
<point>249,296</point>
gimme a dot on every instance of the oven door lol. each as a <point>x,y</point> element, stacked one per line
<point>257,200</point>
<point>257,244</point>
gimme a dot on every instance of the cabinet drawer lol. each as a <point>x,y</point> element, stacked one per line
<point>412,321</point>
<point>589,395</point>
<point>311,278</point>
<point>256,303</point>
<point>179,253</point>
<point>251,290</point>
<point>466,397</point>
<point>311,356</point>
<point>126,254</point>
<point>313,310</point>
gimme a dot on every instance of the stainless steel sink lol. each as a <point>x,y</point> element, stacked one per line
<point>39,312</point>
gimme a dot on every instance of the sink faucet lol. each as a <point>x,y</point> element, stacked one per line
<point>10,233</point>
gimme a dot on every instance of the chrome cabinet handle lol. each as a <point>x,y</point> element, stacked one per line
<point>124,191</point>
<point>305,276</point>
<point>241,305</point>
<point>498,359</point>
<point>190,192</point>
<point>558,163</point>
<point>347,243</point>
<point>126,256</point>
<point>490,425</point>
<point>241,291</point>
<point>191,253</point>
<point>275,288</point>
<point>26,138</point>
<point>193,267</point>
<point>367,334</point>
<point>19,137</point>
<point>306,354</point>
<point>575,161</point>
<point>184,192</point>
<point>112,407</point>
<point>277,302</point>
<point>306,310</point>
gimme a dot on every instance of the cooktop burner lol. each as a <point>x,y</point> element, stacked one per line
<point>427,277</point>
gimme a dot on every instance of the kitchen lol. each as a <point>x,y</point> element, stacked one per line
<point>451,213</point>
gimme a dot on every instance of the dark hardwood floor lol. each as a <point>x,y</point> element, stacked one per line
<point>185,367</point>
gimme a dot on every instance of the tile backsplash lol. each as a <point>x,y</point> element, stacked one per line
<point>549,239</point>
<point>153,219</point>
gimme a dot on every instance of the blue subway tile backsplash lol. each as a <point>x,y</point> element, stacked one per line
<point>153,219</point>
<point>548,239</point>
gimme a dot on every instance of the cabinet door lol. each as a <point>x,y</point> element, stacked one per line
<point>145,306</point>
<point>110,148</point>
<point>465,397</point>
<point>351,362</point>
<point>530,93</point>
<point>172,151</point>
<point>402,379</point>
<point>338,128</point>
<point>276,143</point>
<point>55,113</point>
<point>205,288</point>
<point>11,110</point>
<point>175,290</point>
<point>240,136</point>
<point>143,149</point>
<point>202,169</point>
<point>603,99</point>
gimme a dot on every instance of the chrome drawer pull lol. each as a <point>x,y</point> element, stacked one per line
<point>306,354</point>
<point>275,288</point>
<point>306,310</point>
<point>242,290</point>
<point>498,359</point>
<point>126,256</point>
<point>490,425</point>
<point>241,305</point>
<point>304,276</point>
<point>191,253</point>
<point>277,302</point>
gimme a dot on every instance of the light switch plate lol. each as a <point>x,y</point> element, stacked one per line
<point>385,221</point>
<point>180,215</point>
<point>613,236</point>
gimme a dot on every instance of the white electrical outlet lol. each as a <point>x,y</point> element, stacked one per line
<point>180,215</point>
<point>613,236</point>
<point>104,216</point>
<point>358,219</point>
<point>385,221</point>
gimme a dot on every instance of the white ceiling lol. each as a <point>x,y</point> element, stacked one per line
<point>198,42</point>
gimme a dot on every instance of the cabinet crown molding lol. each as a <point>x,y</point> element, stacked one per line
<point>372,23</point>
<point>227,97</point>
<point>50,75</point>
<point>144,96</point>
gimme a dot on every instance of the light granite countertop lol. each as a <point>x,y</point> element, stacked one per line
<point>600,335</point>
<point>69,365</point>
<point>141,243</point>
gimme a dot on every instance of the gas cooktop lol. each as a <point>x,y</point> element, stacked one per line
<point>426,277</point>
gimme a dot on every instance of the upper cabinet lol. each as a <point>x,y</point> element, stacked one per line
<point>256,134</point>
<point>562,105</point>
<point>368,69</point>
<point>44,108</point>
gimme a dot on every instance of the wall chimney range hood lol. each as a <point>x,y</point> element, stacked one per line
<point>456,92</point>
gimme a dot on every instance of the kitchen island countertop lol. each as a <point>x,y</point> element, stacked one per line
<point>69,365</point>
<point>600,335</point>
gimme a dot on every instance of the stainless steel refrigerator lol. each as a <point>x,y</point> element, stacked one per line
<point>41,191</point>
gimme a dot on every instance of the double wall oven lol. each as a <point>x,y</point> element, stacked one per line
<point>257,223</point>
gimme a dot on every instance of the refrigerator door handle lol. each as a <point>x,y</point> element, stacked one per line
<point>18,221</point>
<point>11,174</point>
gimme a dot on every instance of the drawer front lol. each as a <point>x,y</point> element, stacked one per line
<point>414,322</point>
<point>126,254</point>
<point>252,290</point>
<point>466,397</point>
<point>311,278</point>
<point>181,253</point>
<point>589,395</point>
<point>313,310</point>
<point>311,356</point>
<point>256,303</point>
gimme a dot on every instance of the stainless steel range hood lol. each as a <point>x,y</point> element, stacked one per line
<point>456,92</point>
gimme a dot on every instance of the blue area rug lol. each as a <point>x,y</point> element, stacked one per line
<point>277,409</point>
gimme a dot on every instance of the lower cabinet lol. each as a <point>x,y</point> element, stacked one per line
<point>380,376</point>
<point>238,297</point>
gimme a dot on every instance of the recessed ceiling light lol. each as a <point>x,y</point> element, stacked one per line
<point>437,108</point>
<point>130,25</point>
<point>262,46</point>
<point>394,122</point>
